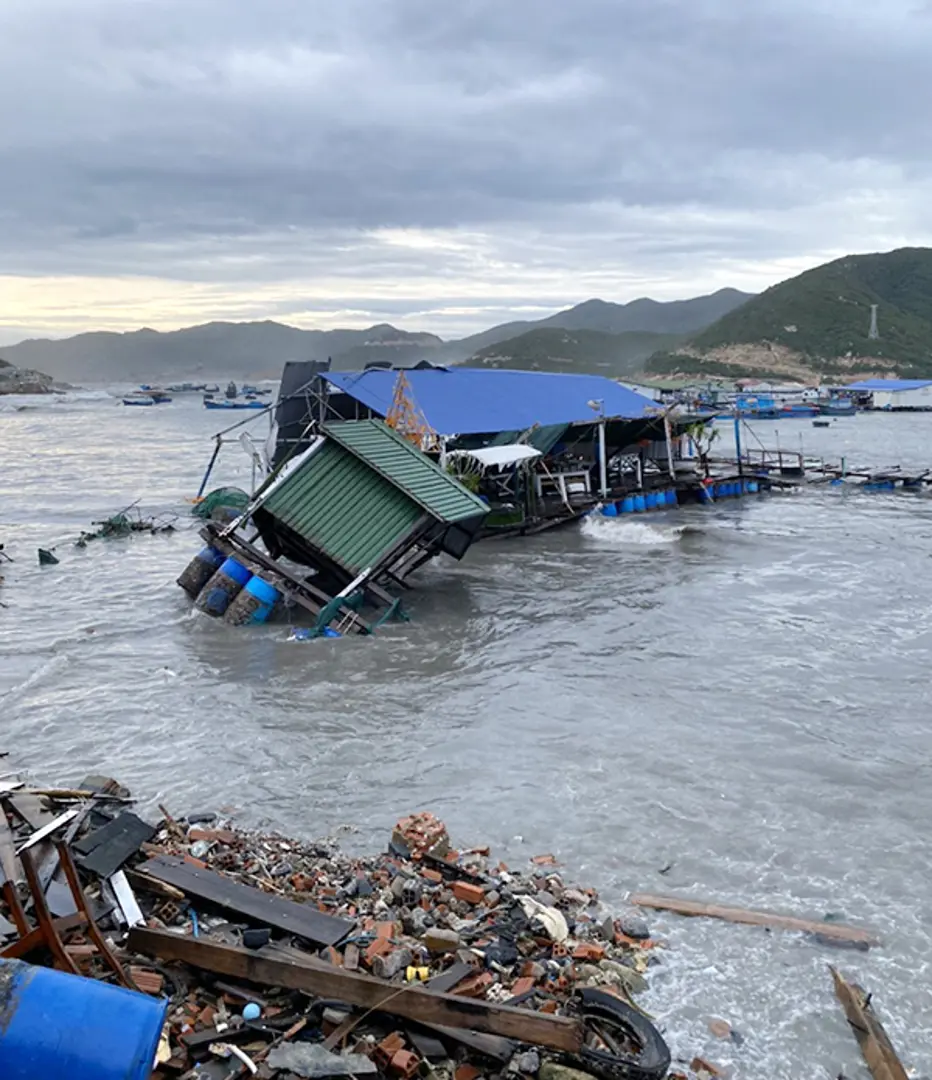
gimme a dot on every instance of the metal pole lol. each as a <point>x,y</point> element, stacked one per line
<point>738,443</point>
<point>200,490</point>
<point>603,464</point>
<point>668,434</point>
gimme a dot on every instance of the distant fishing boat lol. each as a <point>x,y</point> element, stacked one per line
<point>232,403</point>
<point>838,407</point>
<point>139,398</point>
<point>797,409</point>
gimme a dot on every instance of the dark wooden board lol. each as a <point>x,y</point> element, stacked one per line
<point>301,920</point>
<point>105,850</point>
<point>318,979</point>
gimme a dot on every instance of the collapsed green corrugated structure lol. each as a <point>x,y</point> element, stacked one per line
<point>363,502</point>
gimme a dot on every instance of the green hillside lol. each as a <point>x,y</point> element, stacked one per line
<point>820,322</point>
<point>613,355</point>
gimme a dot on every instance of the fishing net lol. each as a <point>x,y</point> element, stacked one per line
<point>221,503</point>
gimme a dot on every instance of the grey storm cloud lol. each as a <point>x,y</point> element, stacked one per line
<point>169,133</point>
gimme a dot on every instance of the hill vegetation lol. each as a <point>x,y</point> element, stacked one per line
<point>616,356</point>
<point>818,324</point>
<point>220,350</point>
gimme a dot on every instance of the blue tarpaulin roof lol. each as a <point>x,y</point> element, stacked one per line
<point>471,401</point>
<point>889,384</point>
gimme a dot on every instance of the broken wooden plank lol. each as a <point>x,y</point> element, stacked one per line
<point>876,1048</point>
<point>36,938</point>
<point>288,916</point>
<point>52,826</point>
<point>105,850</point>
<point>835,931</point>
<point>319,979</point>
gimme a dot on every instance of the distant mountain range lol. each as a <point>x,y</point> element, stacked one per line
<point>819,325</point>
<point>259,349</point>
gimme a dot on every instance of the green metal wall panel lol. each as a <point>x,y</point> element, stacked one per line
<point>399,461</point>
<point>341,505</point>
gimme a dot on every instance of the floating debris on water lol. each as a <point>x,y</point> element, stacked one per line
<point>126,522</point>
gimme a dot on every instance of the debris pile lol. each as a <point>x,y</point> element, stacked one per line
<point>289,959</point>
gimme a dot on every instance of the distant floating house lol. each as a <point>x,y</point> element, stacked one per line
<point>896,394</point>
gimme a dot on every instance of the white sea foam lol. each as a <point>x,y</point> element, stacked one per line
<point>623,532</point>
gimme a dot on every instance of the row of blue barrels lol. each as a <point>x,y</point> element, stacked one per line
<point>728,489</point>
<point>225,587</point>
<point>636,504</point>
<point>57,1025</point>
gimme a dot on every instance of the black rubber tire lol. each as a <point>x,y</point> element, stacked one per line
<point>651,1062</point>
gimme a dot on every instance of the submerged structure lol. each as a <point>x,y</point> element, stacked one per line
<point>337,530</point>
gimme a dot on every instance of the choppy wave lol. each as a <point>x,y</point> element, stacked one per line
<point>625,532</point>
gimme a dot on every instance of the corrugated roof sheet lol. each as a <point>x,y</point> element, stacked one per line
<point>361,493</point>
<point>470,401</point>
<point>338,504</point>
<point>400,462</point>
<point>889,384</point>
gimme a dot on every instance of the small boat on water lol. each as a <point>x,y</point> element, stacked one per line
<point>139,398</point>
<point>233,403</point>
<point>821,423</point>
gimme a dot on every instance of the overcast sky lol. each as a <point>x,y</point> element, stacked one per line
<point>444,165</point>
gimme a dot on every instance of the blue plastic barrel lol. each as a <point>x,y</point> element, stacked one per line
<point>55,1025</point>
<point>627,504</point>
<point>266,594</point>
<point>651,500</point>
<point>753,486</point>
<point>226,583</point>
<point>200,570</point>
<point>671,497</point>
<point>609,510</point>
<point>706,494</point>
<point>640,503</point>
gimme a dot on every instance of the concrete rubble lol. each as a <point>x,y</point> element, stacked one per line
<point>283,958</point>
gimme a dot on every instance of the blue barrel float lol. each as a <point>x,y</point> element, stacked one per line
<point>253,604</point>
<point>56,1025</point>
<point>627,504</point>
<point>218,593</point>
<point>651,500</point>
<point>200,570</point>
<point>610,510</point>
<point>640,503</point>
<point>753,486</point>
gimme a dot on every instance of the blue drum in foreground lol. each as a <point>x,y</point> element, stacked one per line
<point>254,604</point>
<point>55,1025</point>
<point>218,593</point>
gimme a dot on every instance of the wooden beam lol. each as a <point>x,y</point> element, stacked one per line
<point>876,1048</point>
<point>319,979</point>
<point>835,931</point>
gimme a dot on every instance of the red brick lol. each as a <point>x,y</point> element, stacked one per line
<point>212,836</point>
<point>379,947</point>
<point>589,952</point>
<point>471,894</point>
<point>432,875</point>
<point>544,860</point>
<point>522,986</point>
<point>466,1072</point>
<point>385,930</point>
<point>387,1049</point>
<point>404,1064</point>
<point>475,985</point>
